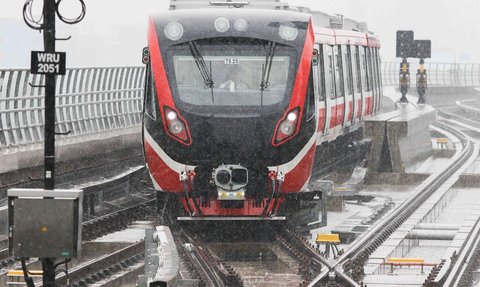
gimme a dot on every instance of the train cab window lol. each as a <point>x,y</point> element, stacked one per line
<point>310,102</point>
<point>240,69</point>
<point>340,91</point>
<point>348,63</point>
<point>358,70</point>
<point>150,94</point>
<point>321,79</point>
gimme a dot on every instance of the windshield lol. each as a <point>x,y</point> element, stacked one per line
<point>236,70</point>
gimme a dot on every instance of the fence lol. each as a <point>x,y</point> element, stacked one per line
<point>439,74</point>
<point>88,101</point>
<point>95,100</point>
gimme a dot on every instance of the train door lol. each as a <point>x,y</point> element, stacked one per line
<point>320,88</point>
<point>357,72</point>
<point>330,104</point>
<point>339,86</point>
<point>349,97</point>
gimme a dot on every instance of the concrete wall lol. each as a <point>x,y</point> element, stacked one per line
<point>400,139</point>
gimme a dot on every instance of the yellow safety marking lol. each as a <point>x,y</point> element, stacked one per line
<point>442,140</point>
<point>32,273</point>
<point>327,238</point>
<point>405,260</point>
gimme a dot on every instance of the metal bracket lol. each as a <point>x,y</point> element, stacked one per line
<point>63,39</point>
<point>36,86</point>
<point>63,133</point>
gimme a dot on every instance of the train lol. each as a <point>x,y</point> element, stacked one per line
<point>242,99</point>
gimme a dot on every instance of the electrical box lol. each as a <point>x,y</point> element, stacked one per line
<point>45,223</point>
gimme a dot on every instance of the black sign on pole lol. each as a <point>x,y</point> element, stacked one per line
<point>405,44</point>
<point>48,63</point>
<point>423,49</point>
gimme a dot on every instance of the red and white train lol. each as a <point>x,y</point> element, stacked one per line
<point>239,101</point>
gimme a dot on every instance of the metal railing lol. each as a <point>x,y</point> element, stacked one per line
<point>88,101</point>
<point>96,100</point>
<point>439,74</point>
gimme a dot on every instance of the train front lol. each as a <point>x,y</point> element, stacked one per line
<point>229,123</point>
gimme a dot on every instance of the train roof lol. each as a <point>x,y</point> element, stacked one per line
<point>320,19</point>
<point>328,29</point>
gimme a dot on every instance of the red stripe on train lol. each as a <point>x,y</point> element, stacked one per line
<point>298,176</point>
<point>167,179</point>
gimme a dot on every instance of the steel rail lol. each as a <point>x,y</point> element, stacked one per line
<point>208,269</point>
<point>454,273</point>
<point>381,231</point>
<point>91,267</point>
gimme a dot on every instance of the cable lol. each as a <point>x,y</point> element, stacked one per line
<point>36,24</point>
<point>63,270</point>
<point>72,21</point>
<point>27,278</point>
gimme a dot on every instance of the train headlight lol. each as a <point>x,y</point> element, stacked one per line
<point>176,126</point>
<point>241,25</point>
<point>171,115</point>
<point>288,31</point>
<point>287,127</point>
<point>222,24</point>
<point>292,116</point>
<point>174,31</point>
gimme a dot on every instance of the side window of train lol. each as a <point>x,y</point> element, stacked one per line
<point>365,70</point>
<point>150,94</point>
<point>339,72</point>
<point>370,68</point>
<point>359,70</point>
<point>373,68</point>
<point>348,57</point>
<point>379,66</point>
<point>321,80</point>
<point>310,103</point>
<point>330,70</point>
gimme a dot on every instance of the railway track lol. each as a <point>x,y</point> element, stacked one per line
<point>217,272</point>
<point>467,261</point>
<point>351,263</point>
<point>283,257</point>
<point>123,204</point>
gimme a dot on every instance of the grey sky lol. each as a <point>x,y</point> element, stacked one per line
<point>114,31</point>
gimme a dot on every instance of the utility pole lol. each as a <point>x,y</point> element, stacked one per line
<point>49,9</point>
<point>49,63</point>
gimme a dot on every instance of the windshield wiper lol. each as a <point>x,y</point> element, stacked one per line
<point>264,84</point>
<point>202,67</point>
